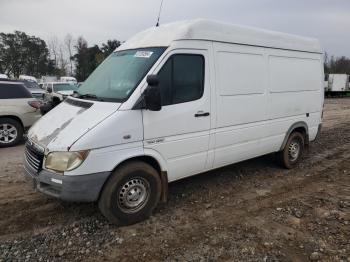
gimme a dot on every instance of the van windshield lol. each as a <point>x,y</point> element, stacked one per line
<point>117,77</point>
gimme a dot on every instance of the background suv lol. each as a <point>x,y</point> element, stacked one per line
<point>18,111</point>
<point>34,88</point>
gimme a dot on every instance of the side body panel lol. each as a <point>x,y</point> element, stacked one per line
<point>295,92</point>
<point>261,93</point>
<point>241,94</point>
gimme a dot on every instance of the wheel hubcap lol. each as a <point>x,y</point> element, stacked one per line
<point>8,133</point>
<point>133,195</point>
<point>294,150</point>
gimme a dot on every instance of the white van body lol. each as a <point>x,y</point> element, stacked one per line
<point>47,79</point>
<point>338,82</point>
<point>259,86</point>
<point>69,79</point>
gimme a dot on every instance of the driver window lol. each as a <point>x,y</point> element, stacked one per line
<point>181,79</point>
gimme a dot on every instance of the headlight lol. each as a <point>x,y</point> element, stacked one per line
<point>65,161</point>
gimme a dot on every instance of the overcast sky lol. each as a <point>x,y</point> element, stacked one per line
<point>99,20</point>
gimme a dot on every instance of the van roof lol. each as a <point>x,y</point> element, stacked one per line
<point>200,29</point>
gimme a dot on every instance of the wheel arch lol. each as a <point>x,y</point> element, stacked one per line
<point>301,127</point>
<point>157,163</point>
<point>14,118</point>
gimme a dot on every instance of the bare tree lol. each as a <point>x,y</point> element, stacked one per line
<point>68,42</point>
<point>53,48</point>
<point>62,61</point>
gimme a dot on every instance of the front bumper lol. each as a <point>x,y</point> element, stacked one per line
<point>84,188</point>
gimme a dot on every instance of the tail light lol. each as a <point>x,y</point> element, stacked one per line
<point>35,103</point>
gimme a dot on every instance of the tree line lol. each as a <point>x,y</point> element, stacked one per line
<point>24,54</point>
<point>30,55</point>
<point>336,65</point>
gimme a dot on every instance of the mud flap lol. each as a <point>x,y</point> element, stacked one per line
<point>164,180</point>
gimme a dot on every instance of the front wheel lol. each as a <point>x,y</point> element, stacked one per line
<point>292,151</point>
<point>131,193</point>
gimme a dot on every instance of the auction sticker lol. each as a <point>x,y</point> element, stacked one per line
<point>143,54</point>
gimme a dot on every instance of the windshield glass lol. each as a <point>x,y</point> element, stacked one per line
<point>117,77</point>
<point>64,87</point>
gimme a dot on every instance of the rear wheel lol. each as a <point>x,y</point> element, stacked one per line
<point>131,194</point>
<point>11,132</point>
<point>292,151</point>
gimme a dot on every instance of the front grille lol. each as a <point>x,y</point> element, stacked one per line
<point>33,157</point>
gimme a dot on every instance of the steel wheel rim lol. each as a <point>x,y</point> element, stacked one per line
<point>133,195</point>
<point>294,150</point>
<point>8,133</point>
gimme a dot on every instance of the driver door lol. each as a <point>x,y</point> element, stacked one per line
<point>179,132</point>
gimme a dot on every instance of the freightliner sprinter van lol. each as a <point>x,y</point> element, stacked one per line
<point>175,101</point>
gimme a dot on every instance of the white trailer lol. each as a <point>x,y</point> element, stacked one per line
<point>338,84</point>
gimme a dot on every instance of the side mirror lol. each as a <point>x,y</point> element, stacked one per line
<point>151,95</point>
<point>152,80</point>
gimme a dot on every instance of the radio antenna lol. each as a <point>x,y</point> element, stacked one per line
<point>160,10</point>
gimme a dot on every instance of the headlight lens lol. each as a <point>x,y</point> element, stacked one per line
<point>65,161</point>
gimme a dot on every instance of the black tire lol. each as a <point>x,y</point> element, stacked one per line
<point>115,204</point>
<point>6,123</point>
<point>290,156</point>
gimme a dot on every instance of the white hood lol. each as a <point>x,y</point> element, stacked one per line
<point>66,123</point>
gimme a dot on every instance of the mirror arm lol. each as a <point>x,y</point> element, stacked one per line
<point>140,103</point>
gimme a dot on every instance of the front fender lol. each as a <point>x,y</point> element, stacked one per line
<point>158,157</point>
<point>107,159</point>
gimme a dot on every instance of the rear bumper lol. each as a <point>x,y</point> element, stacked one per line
<point>84,188</point>
<point>29,119</point>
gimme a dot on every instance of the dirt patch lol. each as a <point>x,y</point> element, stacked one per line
<point>251,211</point>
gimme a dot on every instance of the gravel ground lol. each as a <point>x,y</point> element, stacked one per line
<point>251,211</point>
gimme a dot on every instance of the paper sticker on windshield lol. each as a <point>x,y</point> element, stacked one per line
<point>143,54</point>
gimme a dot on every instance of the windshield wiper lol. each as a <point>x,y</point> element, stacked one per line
<point>89,96</point>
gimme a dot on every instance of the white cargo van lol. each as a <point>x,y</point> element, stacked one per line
<point>172,102</point>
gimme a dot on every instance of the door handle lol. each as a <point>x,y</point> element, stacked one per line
<point>201,114</point>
